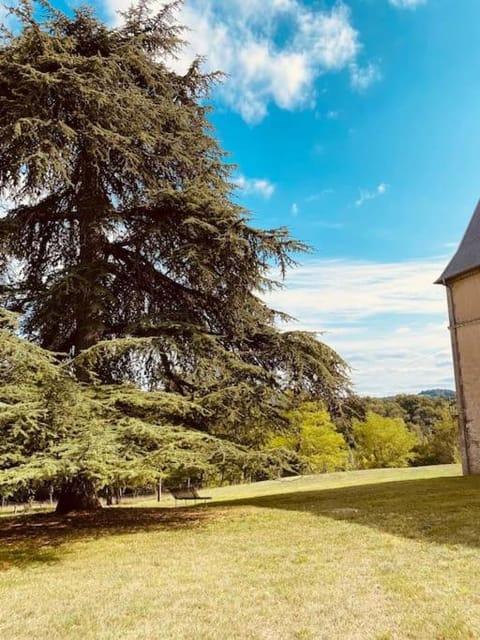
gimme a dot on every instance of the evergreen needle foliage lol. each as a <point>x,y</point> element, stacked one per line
<point>124,246</point>
<point>57,432</point>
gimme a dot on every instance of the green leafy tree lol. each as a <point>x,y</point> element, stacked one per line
<point>124,245</point>
<point>313,437</point>
<point>352,408</point>
<point>420,413</point>
<point>440,445</point>
<point>430,419</point>
<point>386,407</point>
<point>383,442</point>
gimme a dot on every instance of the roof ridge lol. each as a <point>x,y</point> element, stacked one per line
<point>467,256</point>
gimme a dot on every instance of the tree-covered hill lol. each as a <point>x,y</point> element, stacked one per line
<point>438,393</point>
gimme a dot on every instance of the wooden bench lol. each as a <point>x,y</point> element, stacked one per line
<point>188,493</point>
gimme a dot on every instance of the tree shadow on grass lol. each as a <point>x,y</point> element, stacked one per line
<point>439,510</point>
<point>42,538</point>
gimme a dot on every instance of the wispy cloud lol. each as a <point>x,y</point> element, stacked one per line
<point>255,186</point>
<point>387,319</point>
<point>316,196</point>
<point>366,195</point>
<point>273,52</point>
<point>355,290</point>
<point>362,77</point>
<point>387,362</point>
<point>407,4</point>
<point>295,210</point>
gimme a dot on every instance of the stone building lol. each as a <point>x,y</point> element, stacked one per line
<point>462,281</point>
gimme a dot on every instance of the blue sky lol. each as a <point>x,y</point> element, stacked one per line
<point>356,124</point>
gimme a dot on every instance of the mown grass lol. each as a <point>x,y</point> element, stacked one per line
<point>365,555</point>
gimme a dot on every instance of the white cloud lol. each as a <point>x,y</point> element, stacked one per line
<point>407,4</point>
<point>386,319</point>
<point>355,290</point>
<point>387,363</point>
<point>366,195</point>
<point>328,37</point>
<point>272,51</point>
<point>255,186</point>
<point>295,209</point>
<point>362,77</point>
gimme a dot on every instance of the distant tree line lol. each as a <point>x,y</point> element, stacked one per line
<point>405,430</point>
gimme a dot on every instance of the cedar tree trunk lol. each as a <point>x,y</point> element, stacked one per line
<point>78,494</point>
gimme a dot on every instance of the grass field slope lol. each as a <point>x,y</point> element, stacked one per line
<point>378,555</point>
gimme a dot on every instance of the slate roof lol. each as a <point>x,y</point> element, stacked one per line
<point>467,257</point>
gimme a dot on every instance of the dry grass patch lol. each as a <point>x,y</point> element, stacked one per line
<point>348,560</point>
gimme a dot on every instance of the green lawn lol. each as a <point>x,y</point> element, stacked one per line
<point>361,555</point>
